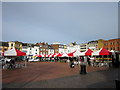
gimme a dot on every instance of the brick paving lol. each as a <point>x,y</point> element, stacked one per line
<point>38,74</point>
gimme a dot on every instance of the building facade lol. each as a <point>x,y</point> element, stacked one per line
<point>43,48</point>
<point>93,45</point>
<point>100,43</point>
<point>50,50</point>
<point>112,44</point>
<point>24,47</point>
<point>15,44</point>
<point>83,47</point>
<point>3,47</point>
<point>56,46</point>
<point>73,47</point>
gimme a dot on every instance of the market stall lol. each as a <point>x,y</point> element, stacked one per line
<point>14,54</point>
<point>102,57</point>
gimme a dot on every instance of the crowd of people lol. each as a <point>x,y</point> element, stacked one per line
<point>11,63</point>
<point>81,60</point>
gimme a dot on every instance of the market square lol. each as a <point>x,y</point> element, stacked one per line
<point>59,44</point>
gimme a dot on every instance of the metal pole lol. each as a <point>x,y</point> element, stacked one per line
<point>68,61</point>
<point>25,64</point>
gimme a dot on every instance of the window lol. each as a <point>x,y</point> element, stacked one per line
<point>111,48</point>
<point>5,49</point>
<point>105,44</point>
<point>40,45</point>
<point>11,44</point>
<point>113,43</point>
<point>118,48</point>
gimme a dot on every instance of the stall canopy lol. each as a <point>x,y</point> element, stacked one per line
<point>49,55</point>
<point>102,51</point>
<point>45,55</point>
<point>86,53</point>
<point>114,52</point>
<point>53,55</point>
<point>39,55</point>
<point>96,53</point>
<point>71,54</point>
<point>77,53</point>
<point>64,55</point>
<point>14,52</point>
<point>59,55</point>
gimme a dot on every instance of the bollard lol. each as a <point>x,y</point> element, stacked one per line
<point>83,69</point>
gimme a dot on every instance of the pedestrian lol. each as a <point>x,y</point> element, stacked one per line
<point>13,64</point>
<point>27,59</point>
<point>10,64</point>
<point>3,64</point>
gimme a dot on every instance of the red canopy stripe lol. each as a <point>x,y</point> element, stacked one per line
<point>49,55</point>
<point>53,54</point>
<point>71,54</point>
<point>59,55</point>
<point>88,52</point>
<point>39,55</point>
<point>19,53</point>
<point>105,52</point>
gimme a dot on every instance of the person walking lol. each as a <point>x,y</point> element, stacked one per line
<point>10,64</point>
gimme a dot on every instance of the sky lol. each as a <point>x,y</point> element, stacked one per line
<point>62,22</point>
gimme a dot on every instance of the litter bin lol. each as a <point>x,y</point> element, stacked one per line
<point>83,69</point>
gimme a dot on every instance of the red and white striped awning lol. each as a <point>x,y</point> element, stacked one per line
<point>77,53</point>
<point>65,55</point>
<point>39,55</point>
<point>86,53</point>
<point>102,51</point>
<point>14,52</point>
<point>53,55</point>
<point>71,54</point>
<point>58,55</point>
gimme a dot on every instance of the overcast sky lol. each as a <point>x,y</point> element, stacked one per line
<point>61,22</point>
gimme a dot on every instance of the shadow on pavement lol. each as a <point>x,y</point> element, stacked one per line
<point>110,76</point>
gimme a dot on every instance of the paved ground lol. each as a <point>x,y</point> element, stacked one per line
<point>58,75</point>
